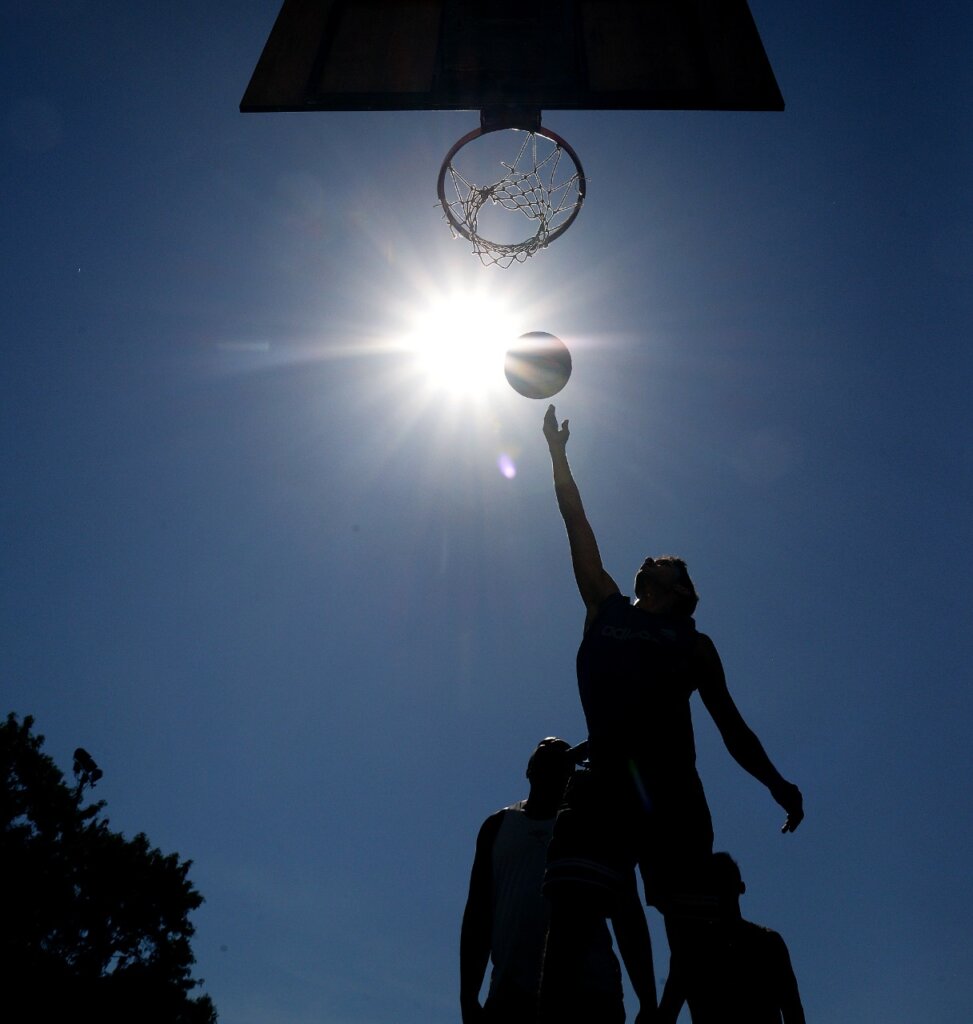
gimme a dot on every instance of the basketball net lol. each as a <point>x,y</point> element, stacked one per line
<point>530,187</point>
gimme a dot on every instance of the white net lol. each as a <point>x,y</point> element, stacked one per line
<point>535,185</point>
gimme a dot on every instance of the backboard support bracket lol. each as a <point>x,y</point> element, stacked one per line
<point>526,118</point>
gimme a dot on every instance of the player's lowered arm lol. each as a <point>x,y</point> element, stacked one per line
<point>741,741</point>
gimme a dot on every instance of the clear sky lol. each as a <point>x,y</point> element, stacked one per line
<point>266,568</point>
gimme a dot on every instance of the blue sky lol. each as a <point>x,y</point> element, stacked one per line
<point>268,572</point>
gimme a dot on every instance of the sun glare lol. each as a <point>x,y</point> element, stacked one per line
<point>459,342</point>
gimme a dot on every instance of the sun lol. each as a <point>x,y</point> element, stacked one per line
<point>458,343</point>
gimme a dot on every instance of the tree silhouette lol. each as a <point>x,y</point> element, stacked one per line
<point>92,925</point>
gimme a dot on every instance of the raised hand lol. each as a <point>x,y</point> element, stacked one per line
<point>789,797</point>
<point>555,437</point>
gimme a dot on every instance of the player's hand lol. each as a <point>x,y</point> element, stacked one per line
<point>555,437</point>
<point>789,797</point>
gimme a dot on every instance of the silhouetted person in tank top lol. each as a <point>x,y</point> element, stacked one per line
<point>506,915</point>
<point>733,970</point>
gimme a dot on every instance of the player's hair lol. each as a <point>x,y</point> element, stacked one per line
<point>686,597</point>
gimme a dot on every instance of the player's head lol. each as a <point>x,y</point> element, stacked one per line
<point>549,763</point>
<point>665,583</point>
<point>727,881</point>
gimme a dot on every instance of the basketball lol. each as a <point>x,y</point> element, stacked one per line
<point>538,365</point>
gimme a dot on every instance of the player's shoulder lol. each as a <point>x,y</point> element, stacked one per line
<point>491,826</point>
<point>703,647</point>
<point>518,807</point>
<point>757,929</point>
<point>611,603</point>
<point>610,597</point>
<point>764,936</point>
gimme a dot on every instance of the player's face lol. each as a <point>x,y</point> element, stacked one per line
<point>656,579</point>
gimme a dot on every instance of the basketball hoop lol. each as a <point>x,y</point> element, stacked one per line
<point>544,183</point>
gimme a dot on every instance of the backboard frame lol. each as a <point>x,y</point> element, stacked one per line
<point>358,55</point>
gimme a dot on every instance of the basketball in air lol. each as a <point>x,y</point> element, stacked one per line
<point>538,365</point>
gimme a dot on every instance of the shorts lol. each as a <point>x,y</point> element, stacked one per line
<point>610,821</point>
<point>515,1006</point>
<point>510,1005</point>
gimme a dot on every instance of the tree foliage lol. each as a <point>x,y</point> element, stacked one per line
<point>90,920</point>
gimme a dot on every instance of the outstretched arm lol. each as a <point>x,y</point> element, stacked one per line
<point>474,942</point>
<point>594,584</point>
<point>740,740</point>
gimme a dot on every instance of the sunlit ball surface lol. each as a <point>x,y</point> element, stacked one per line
<point>538,365</point>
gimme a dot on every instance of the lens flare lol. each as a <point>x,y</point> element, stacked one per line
<point>506,466</point>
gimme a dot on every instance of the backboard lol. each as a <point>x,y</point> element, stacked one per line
<point>474,55</point>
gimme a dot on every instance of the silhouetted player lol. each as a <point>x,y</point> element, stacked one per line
<point>506,915</point>
<point>637,668</point>
<point>735,970</point>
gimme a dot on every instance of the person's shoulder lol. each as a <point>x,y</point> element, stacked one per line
<point>491,826</point>
<point>612,604</point>
<point>517,807</point>
<point>757,929</point>
<point>760,934</point>
<point>704,649</point>
<point>704,646</point>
